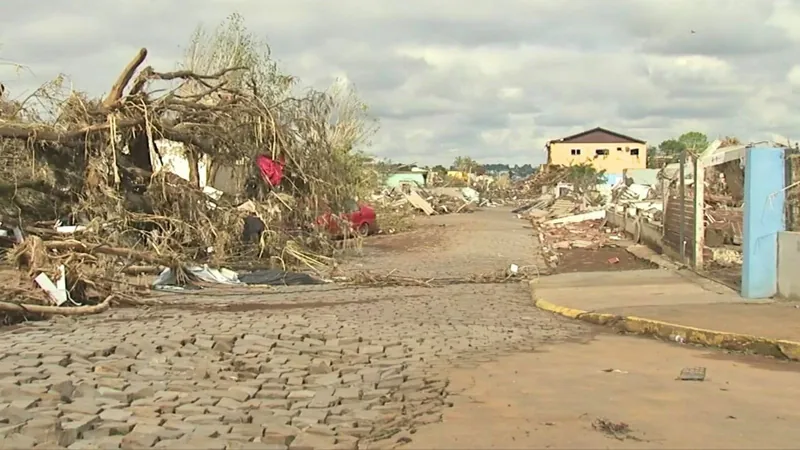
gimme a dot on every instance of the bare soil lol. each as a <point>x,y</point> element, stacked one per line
<point>603,259</point>
<point>555,399</point>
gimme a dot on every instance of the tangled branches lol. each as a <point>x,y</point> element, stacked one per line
<point>100,160</point>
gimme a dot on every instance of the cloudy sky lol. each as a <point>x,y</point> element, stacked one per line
<point>492,79</point>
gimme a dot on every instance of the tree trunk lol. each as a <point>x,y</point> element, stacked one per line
<point>193,159</point>
<point>212,171</point>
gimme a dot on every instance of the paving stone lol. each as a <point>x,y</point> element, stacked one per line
<point>348,393</point>
<point>179,425</point>
<point>203,444</point>
<point>81,425</point>
<point>138,441</point>
<point>88,407</point>
<point>308,441</point>
<point>238,445</point>
<point>234,417</point>
<point>210,430</point>
<point>24,402</point>
<point>6,430</point>
<point>190,410</point>
<point>112,428</point>
<point>17,442</point>
<point>248,429</point>
<point>267,418</point>
<point>279,434</point>
<point>12,415</point>
<point>250,391</point>
<point>301,394</point>
<point>204,418</point>
<point>116,394</point>
<point>127,350</point>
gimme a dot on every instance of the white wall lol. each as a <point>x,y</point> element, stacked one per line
<point>172,153</point>
<point>789,264</point>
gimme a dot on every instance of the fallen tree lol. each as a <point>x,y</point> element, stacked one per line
<point>97,159</point>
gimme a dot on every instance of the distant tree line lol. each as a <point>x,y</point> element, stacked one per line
<point>669,151</point>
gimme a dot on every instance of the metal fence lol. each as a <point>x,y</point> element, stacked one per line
<point>679,213</point>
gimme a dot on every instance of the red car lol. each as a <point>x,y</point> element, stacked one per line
<point>360,217</point>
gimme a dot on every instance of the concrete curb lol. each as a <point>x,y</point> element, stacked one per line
<point>757,345</point>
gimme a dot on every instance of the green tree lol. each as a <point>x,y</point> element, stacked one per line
<point>227,46</point>
<point>694,141</point>
<point>585,177</point>
<point>652,160</point>
<point>350,125</point>
<point>669,150</point>
<point>465,164</point>
<point>440,169</point>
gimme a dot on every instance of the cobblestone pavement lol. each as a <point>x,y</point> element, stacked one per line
<point>294,368</point>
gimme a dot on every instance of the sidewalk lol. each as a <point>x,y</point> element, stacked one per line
<point>677,297</point>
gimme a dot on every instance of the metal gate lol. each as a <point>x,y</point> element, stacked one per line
<point>679,223</point>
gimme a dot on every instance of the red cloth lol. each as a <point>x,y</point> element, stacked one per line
<point>271,170</point>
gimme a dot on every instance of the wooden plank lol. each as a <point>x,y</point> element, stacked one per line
<point>418,202</point>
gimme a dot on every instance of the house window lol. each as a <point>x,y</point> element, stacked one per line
<point>601,152</point>
<point>634,152</point>
<point>619,149</point>
<point>575,151</point>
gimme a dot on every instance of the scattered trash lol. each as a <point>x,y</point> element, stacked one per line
<point>677,338</point>
<point>56,291</point>
<point>614,371</point>
<point>693,374</point>
<point>167,280</point>
<point>613,260</point>
<point>617,430</point>
<point>513,269</point>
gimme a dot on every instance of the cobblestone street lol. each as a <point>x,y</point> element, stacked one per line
<point>300,368</point>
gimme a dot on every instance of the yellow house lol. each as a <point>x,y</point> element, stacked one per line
<point>604,149</point>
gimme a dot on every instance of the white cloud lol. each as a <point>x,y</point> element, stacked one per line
<point>793,77</point>
<point>493,80</point>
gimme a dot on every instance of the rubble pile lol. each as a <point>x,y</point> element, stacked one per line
<point>89,207</point>
<point>437,200</point>
<point>586,234</point>
<point>524,191</point>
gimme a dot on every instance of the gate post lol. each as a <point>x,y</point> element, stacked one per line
<point>764,195</point>
<point>699,213</point>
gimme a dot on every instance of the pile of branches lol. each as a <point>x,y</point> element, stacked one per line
<point>92,161</point>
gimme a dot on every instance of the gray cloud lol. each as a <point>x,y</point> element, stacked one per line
<point>492,80</point>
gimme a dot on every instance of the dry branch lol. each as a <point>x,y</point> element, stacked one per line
<point>129,254</point>
<point>41,133</point>
<point>124,78</point>
<point>57,310</point>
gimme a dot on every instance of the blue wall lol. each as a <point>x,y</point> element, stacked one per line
<point>764,195</point>
<point>612,179</point>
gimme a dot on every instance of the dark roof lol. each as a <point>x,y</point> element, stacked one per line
<point>591,136</point>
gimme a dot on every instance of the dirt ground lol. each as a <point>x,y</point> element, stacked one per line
<point>730,276</point>
<point>604,259</point>
<point>551,399</point>
<point>362,367</point>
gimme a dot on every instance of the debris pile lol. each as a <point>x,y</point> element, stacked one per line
<point>438,200</point>
<point>93,165</point>
<point>587,234</point>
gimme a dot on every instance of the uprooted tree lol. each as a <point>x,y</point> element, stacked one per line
<point>95,159</point>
